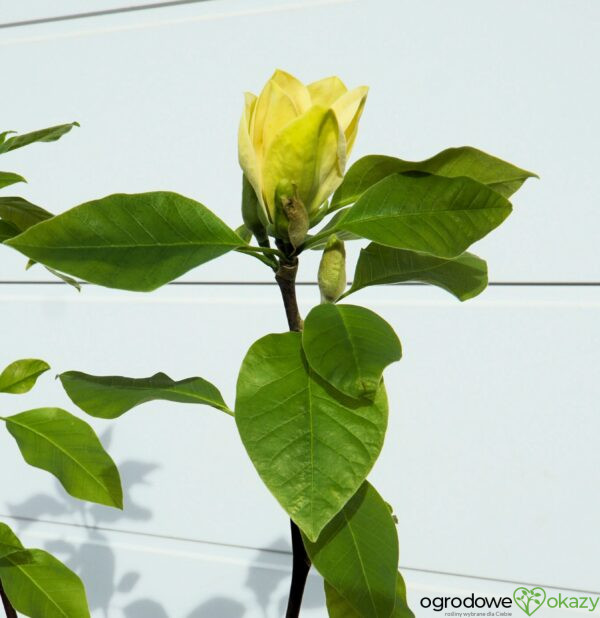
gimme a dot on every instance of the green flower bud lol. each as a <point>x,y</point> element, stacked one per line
<point>291,218</point>
<point>332,270</point>
<point>253,213</point>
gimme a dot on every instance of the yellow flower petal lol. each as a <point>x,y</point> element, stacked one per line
<point>294,88</point>
<point>309,153</point>
<point>348,109</point>
<point>246,152</point>
<point>325,91</point>
<point>274,110</point>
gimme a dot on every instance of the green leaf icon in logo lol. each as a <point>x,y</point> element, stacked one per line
<point>529,600</point>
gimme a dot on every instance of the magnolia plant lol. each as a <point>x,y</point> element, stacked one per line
<point>33,581</point>
<point>311,406</point>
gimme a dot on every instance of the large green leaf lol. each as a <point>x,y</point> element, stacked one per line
<point>21,213</point>
<point>9,543</point>
<point>111,396</point>
<point>357,554</point>
<point>319,240</point>
<point>64,445</point>
<point>464,276</point>
<point>338,607</point>
<point>499,175</point>
<point>430,214</point>
<point>132,242</point>
<point>40,586</point>
<point>20,376</point>
<point>349,347</point>
<point>9,178</point>
<point>311,445</point>
<point>7,230</point>
<point>50,134</point>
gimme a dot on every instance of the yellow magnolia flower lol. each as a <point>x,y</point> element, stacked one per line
<point>293,143</point>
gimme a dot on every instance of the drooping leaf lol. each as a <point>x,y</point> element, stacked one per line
<point>21,213</point>
<point>132,242</point>
<point>464,276</point>
<point>499,175</point>
<point>430,214</point>
<point>20,377</point>
<point>357,554</point>
<point>67,447</point>
<point>9,178</point>
<point>311,445</point>
<point>38,585</point>
<point>9,542</point>
<point>338,607</point>
<point>349,347</point>
<point>50,134</point>
<point>112,396</point>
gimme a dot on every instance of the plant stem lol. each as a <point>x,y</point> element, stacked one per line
<point>8,608</point>
<point>286,279</point>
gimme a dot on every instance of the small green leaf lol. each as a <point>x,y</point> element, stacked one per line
<point>311,445</point>
<point>21,213</point>
<point>464,276</point>
<point>40,586</point>
<point>9,178</point>
<point>20,377</point>
<point>338,607</point>
<point>9,543</point>
<point>42,135</point>
<point>357,554</point>
<point>430,214</point>
<point>131,242</point>
<point>67,447</point>
<point>497,174</point>
<point>112,396</point>
<point>349,347</point>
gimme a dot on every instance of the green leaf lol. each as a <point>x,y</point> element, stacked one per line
<point>42,135</point>
<point>319,240</point>
<point>430,214</point>
<point>112,396</point>
<point>357,554</point>
<point>464,276</point>
<point>338,607</point>
<point>67,447</point>
<point>7,230</point>
<point>40,586</point>
<point>349,347</point>
<point>9,543</point>
<point>132,242</point>
<point>21,213</point>
<point>311,445</point>
<point>20,377</point>
<point>497,174</point>
<point>8,178</point>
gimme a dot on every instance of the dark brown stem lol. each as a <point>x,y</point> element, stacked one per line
<point>9,610</point>
<point>286,279</point>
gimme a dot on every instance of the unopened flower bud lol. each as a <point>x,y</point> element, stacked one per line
<point>332,270</point>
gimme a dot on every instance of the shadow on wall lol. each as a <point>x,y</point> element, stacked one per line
<point>109,587</point>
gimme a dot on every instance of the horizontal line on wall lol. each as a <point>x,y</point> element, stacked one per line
<point>100,13</point>
<point>279,551</point>
<point>550,284</point>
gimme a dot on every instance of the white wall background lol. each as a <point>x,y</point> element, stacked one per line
<point>492,455</point>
